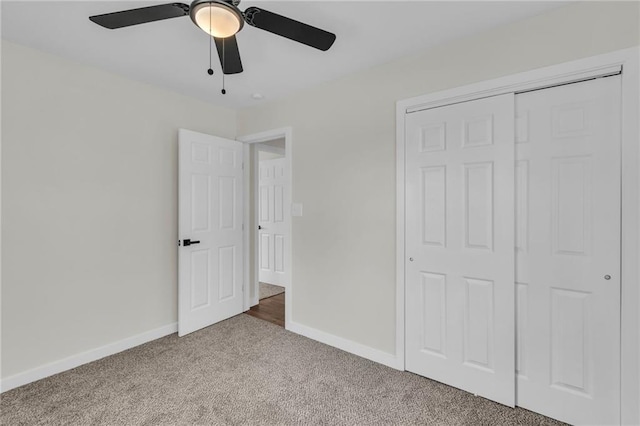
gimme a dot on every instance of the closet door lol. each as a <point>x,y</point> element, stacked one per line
<point>568,251</point>
<point>460,246</point>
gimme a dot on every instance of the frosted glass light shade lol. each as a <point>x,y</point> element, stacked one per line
<point>216,18</point>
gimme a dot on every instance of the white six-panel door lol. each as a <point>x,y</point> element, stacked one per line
<point>210,199</point>
<point>568,251</point>
<point>459,246</point>
<point>272,210</point>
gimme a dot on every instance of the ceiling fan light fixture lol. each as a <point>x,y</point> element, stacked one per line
<point>216,17</point>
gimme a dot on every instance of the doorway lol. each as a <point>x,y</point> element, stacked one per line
<point>270,184</point>
<point>268,218</point>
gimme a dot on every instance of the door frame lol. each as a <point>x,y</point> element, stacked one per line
<point>625,61</point>
<point>269,135</point>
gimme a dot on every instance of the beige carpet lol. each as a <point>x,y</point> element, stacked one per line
<point>268,290</point>
<point>246,371</point>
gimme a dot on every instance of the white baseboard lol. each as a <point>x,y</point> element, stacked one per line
<point>346,345</point>
<point>74,361</point>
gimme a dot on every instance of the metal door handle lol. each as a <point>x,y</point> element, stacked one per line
<point>259,227</point>
<point>187,242</point>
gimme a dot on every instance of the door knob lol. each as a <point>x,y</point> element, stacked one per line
<point>411,259</point>
<point>259,227</point>
<point>607,277</point>
<point>187,242</point>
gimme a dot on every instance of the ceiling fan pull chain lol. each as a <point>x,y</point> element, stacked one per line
<point>224,92</point>
<point>210,70</point>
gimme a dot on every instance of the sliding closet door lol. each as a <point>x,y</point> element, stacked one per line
<point>568,251</point>
<point>459,246</point>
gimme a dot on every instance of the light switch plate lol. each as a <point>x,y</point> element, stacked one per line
<point>296,209</point>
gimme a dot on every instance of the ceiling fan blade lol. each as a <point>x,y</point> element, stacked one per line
<point>229,54</point>
<point>126,18</point>
<point>289,28</point>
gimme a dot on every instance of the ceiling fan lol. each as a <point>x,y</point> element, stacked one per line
<point>222,20</point>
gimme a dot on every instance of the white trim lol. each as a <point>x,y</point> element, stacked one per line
<point>530,80</point>
<point>254,225</point>
<point>630,274</point>
<point>346,345</point>
<point>627,61</point>
<point>246,224</point>
<point>269,135</point>
<point>400,225</point>
<point>91,355</point>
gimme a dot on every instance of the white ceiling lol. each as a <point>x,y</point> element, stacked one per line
<point>174,53</point>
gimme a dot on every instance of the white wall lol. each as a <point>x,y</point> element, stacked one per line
<point>344,157</point>
<point>89,205</point>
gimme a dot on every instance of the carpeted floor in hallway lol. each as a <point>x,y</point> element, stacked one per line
<point>246,371</point>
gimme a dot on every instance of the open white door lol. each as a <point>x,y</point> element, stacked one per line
<point>459,246</point>
<point>210,216</point>
<point>273,228</point>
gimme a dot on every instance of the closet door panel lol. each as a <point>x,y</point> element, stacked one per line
<point>459,245</point>
<point>568,251</point>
